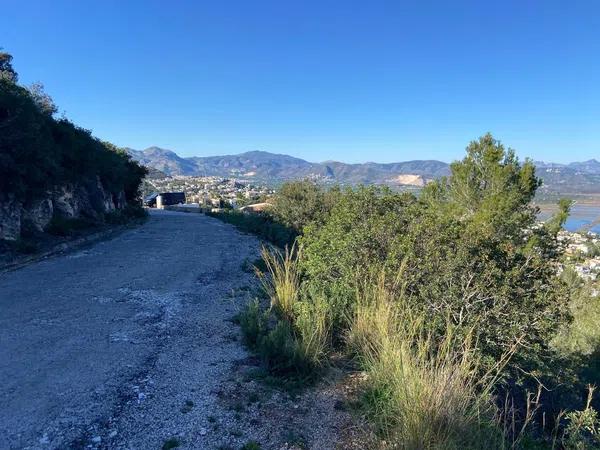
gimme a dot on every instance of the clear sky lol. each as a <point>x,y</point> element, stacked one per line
<point>346,80</point>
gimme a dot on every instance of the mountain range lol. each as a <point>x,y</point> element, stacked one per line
<point>270,168</point>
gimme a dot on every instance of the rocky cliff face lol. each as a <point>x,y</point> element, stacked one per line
<point>70,201</point>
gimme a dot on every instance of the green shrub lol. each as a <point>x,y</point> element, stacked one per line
<point>293,335</point>
<point>299,203</point>
<point>582,431</point>
<point>253,322</point>
<point>421,392</point>
<point>469,248</point>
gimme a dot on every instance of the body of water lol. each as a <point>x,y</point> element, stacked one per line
<point>581,215</point>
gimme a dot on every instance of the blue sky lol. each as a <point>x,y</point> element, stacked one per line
<point>353,81</point>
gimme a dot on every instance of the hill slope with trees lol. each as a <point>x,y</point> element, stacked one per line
<point>51,169</point>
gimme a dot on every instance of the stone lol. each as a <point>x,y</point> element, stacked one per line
<point>37,215</point>
<point>10,217</point>
<point>101,201</point>
<point>64,202</point>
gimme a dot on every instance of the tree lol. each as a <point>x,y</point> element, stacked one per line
<point>299,203</point>
<point>6,69</point>
<point>43,101</point>
<point>39,152</point>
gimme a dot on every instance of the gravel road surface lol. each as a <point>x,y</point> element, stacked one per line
<point>123,344</point>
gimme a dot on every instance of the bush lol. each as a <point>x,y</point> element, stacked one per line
<point>260,224</point>
<point>421,392</point>
<point>583,428</point>
<point>253,322</point>
<point>299,203</point>
<point>292,336</point>
<point>468,249</point>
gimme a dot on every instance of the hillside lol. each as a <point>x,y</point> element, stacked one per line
<point>55,175</point>
<point>271,168</point>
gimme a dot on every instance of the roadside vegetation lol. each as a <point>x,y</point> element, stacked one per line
<point>261,224</point>
<point>451,304</point>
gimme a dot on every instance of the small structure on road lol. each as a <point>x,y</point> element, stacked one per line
<point>162,199</point>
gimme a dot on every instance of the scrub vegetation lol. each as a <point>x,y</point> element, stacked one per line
<point>451,303</point>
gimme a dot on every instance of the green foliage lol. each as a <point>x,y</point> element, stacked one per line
<point>42,100</point>
<point>253,322</point>
<point>261,224</point>
<point>582,335</point>
<point>299,203</point>
<point>6,69</point>
<point>468,252</point>
<point>38,152</point>
<point>420,389</point>
<point>469,249</point>
<point>582,431</point>
<point>293,335</point>
<point>361,237</point>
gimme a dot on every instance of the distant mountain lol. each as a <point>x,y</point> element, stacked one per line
<point>590,166</point>
<point>163,160</point>
<point>270,168</point>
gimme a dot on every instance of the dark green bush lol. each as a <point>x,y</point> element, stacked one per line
<point>299,203</point>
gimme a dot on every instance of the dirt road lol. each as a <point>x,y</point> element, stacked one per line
<point>106,346</point>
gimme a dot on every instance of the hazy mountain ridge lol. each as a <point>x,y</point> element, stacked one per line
<point>265,167</point>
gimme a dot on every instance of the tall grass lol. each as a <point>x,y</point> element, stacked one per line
<point>282,280</point>
<point>293,334</point>
<point>422,392</point>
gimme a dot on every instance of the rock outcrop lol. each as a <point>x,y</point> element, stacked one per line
<point>37,215</point>
<point>92,201</point>
<point>10,217</point>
